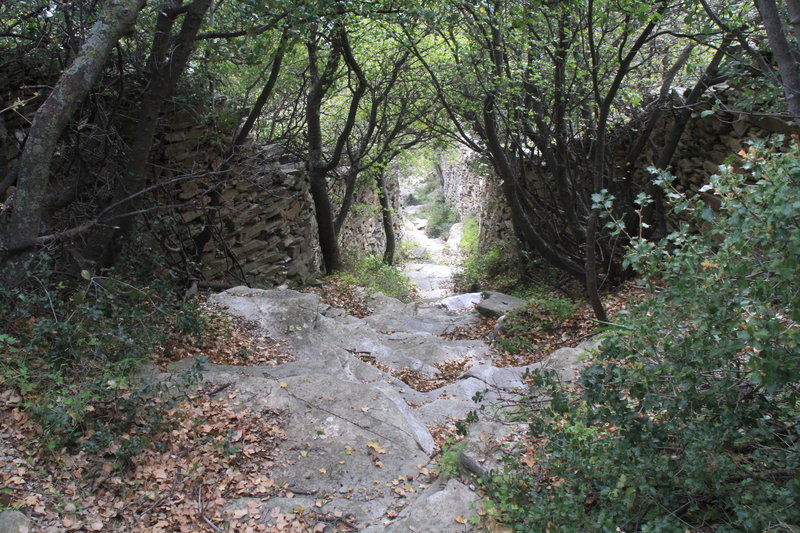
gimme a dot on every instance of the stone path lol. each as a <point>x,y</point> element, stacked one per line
<point>433,272</point>
<point>359,443</point>
<point>359,448</point>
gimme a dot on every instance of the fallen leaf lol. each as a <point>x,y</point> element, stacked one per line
<point>377,447</point>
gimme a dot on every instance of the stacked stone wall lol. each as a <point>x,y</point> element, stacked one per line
<point>264,230</point>
<point>471,187</point>
<point>363,229</point>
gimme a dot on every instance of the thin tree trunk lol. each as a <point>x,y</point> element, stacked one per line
<point>600,145</point>
<point>521,224</point>
<point>201,239</point>
<point>324,215</point>
<point>350,180</point>
<point>318,167</point>
<point>266,92</point>
<point>386,215</point>
<point>168,60</point>
<point>654,214</point>
<point>787,64</point>
<point>794,17</point>
<point>33,169</point>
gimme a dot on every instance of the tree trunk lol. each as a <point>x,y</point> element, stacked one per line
<point>787,64</point>
<point>266,92</point>
<point>33,169</point>
<point>324,216</point>
<point>167,62</point>
<point>794,17</point>
<point>318,167</point>
<point>654,215</point>
<point>5,141</point>
<point>350,180</point>
<point>201,239</point>
<point>386,213</point>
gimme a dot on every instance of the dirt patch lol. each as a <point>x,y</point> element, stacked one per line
<point>533,335</point>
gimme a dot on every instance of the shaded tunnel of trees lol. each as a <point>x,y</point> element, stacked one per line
<point>545,92</point>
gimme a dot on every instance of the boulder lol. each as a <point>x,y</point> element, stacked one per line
<point>14,522</point>
<point>443,510</point>
<point>460,302</point>
<point>496,304</point>
<point>482,450</point>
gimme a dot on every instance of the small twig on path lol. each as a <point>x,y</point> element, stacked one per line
<point>219,389</point>
<point>201,509</point>
<point>302,492</point>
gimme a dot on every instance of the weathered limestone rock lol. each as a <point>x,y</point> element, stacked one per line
<point>440,510</point>
<point>497,304</point>
<point>14,522</point>
<point>482,451</point>
<point>460,302</point>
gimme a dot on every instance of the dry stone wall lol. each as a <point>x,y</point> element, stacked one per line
<point>471,187</point>
<point>363,230</point>
<point>264,230</point>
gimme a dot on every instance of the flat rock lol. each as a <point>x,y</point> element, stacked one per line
<point>504,378</point>
<point>277,312</point>
<point>497,304</point>
<point>460,302</point>
<point>482,448</point>
<point>440,510</point>
<point>14,522</point>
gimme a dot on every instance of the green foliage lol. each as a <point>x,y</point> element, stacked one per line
<point>371,272</point>
<point>439,215</point>
<point>469,237</point>
<point>408,252</point>
<point>440,218</point>
<point>494,269</point>
<point>450,464</point>
<point>72,351</point>
<point>688,418</point>
<point>545,311</point>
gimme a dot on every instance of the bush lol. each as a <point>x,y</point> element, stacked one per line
<point>71,351</point>
<point>688,418</point>
<point>371,272</point>
<point>494,269</point>
<point>469,237</point>
<point>440,218</point>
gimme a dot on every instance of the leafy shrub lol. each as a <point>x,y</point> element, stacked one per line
<point>440,218</point>
<point>430,190</point>
<point>71,350</point>
<point>371,272</point>
<point>494,269</point>
<point>469,237</point>
<point>688,418</point>
<point>435,211</point>
<point>409,252</point>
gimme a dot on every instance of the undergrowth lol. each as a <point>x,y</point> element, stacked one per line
<point>373,274</point>
<point>439,216</point>
<point>71,351</point>
<point>687,420</point>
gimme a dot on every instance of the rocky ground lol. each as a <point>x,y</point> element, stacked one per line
<point>307,419</point>
<point>432,270</point>
<point>369,403</point>
<point>360,447</point>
